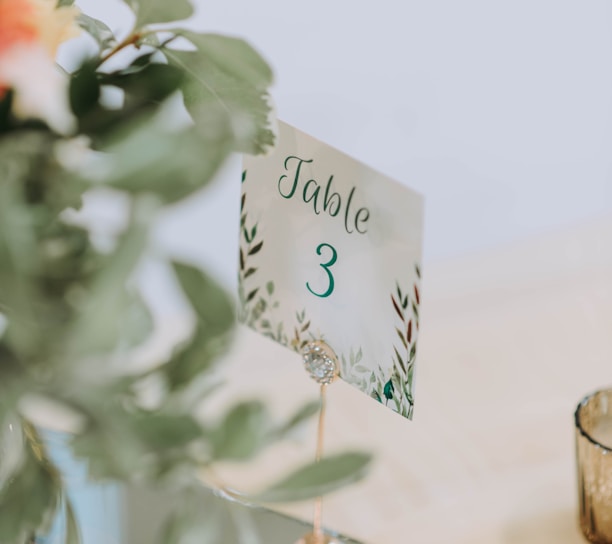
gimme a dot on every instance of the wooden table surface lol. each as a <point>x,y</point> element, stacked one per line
<point>511,340</point>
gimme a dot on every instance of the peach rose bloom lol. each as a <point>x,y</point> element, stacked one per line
<point>30,33</point>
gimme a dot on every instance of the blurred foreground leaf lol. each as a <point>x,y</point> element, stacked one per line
<point>159,11</point>
<point>241,433</point>
<point>318,479</point>
<point>236,89</point>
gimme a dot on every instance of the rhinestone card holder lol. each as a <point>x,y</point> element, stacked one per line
<point>321,363</point>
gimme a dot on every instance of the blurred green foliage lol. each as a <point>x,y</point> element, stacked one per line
<point>69,311</point>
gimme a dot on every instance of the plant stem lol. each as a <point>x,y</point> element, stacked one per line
<point>131,39</point>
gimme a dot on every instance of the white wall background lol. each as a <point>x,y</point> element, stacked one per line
<point>500,113</point>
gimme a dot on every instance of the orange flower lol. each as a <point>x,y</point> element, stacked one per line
<point>30,33</point>
<point>17,23</point>
<point>36,21</point>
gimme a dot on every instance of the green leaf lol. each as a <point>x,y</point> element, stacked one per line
<point>236,89</point>
<point>252,294</point>
<point>31,497</point>
<point>98,30</point>
<point>318,479</point>
<point>150,38</point>
<point>84,89</point>
<point>399,359</point>
<point>23,156</point>
<point>300,416</point>
<point>6,103</point>
<point>189,523</point>
<point>241,433</point>
<point>211,304</point>
<point>145,81</point>
<point>160,11</point>
<point>270,288</point>
<point>192,359</point>
<point>401,337</point>
<point>136,321</point>
<point>236,57</point>
<point>413,351</point>
<point>160,431</point>
<point>145,157</point>
<point>397,308</point>
<point>388,390</point>
<point>100,323</point>
<point>73,534</point>
<point>62,3</point>
<point>256,248</point>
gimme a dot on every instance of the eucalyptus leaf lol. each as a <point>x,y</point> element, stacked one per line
<point>145,158</point>
<point>211,304</point>
<point>99,324</point>
<point>136,321</point>
<point>73,534</point>
<point>108,426</point>
<point>6,103</point>
<point>146,81</point>
<point>22,157</point>
<point>241,433</point>
<point>31,497</point>
<point>300,416</point>
<point>161,431</point>
<point>317,479</point>
<point>98,30</point>
<point>210,87</point>
<point>190,524</point>
<point>234,56</point>
<point>160,11</point>
<point>192,359</point>
<point>84,89</point>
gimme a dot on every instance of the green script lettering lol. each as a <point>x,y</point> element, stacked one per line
<point>333,202</point>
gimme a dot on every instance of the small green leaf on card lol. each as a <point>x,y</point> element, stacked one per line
<point>397,308</point>
<point>401,337</point>
<point>399,359</point>
<point>255,249</point>
<point>252,294</point>
<point>388,390</point>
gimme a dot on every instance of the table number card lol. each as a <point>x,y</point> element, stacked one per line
<point>330,250</point>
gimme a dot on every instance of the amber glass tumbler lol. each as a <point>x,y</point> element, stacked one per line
<point>593,420</point>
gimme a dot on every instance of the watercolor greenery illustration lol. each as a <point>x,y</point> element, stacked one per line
<point>257,301</point>
<point>391,385</point>
<point>397,391</point>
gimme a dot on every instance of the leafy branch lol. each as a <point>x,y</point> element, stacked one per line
<point>71,310</point>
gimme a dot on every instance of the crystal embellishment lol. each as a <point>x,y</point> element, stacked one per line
<point>320,362</point>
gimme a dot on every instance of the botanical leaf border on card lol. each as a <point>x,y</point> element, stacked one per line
<point>258,300</point>
<point>390,385</point>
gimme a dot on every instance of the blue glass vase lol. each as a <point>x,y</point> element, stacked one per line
<point>97,507</point>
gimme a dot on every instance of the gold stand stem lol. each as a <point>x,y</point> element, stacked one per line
<point>318,507</point>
